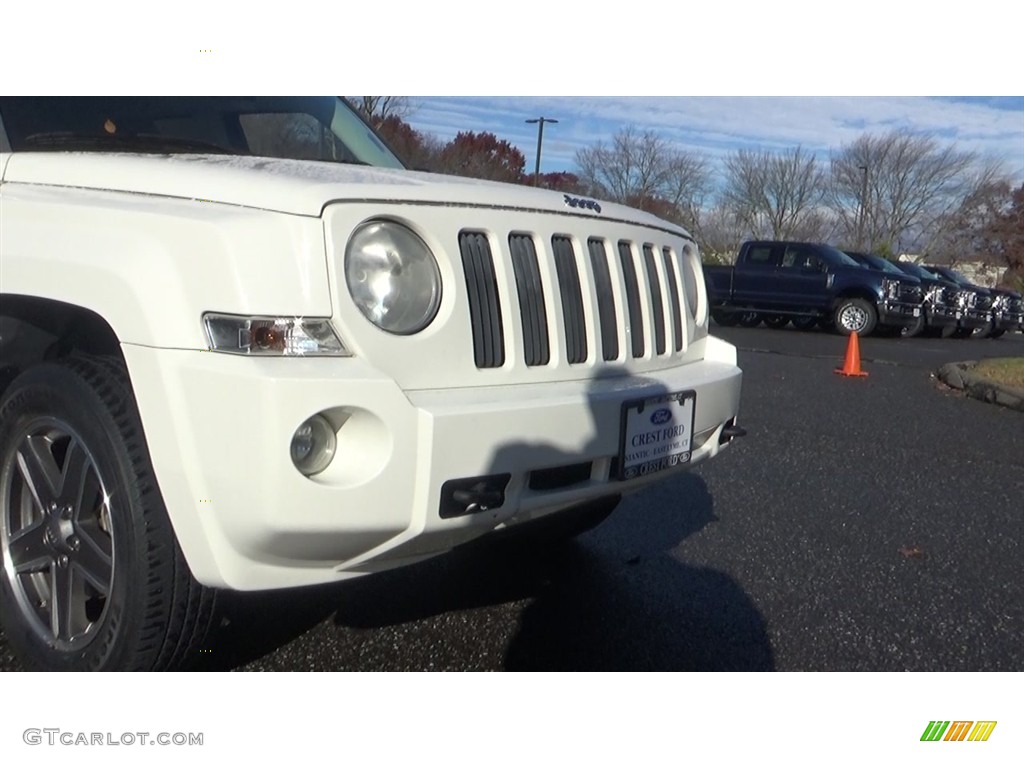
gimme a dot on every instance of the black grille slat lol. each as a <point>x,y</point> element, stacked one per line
<point>605,299</point>
<point>673,290</point>
<point>484,304</point>
<point>531,299</point>
<point>636,323</point>
<point>654,282</point>
<point>572,299</point>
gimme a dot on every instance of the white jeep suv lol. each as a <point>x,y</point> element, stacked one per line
<point>242,347</point>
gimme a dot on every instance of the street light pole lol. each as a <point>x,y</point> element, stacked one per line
<point>863,206</point>
<point>540,140</point>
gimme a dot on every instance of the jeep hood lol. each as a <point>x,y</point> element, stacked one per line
<point>290,186</point>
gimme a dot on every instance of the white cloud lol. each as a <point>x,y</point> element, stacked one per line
<point>716,125</point>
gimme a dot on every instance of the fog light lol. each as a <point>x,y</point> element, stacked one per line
<point>313,445</point>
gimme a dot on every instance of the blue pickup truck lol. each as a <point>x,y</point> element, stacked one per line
<point>809,283</point>
<point>988,311</point>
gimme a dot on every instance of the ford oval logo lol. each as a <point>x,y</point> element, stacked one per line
<point>661,416</point>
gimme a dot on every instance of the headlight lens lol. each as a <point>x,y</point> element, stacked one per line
<point>270,336</point>
<point>392,277</point>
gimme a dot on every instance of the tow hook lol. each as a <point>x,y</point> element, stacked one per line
<point>730,432</point>
<point>469,495</point>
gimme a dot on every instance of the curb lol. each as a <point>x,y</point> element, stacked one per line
<point>961,376</point>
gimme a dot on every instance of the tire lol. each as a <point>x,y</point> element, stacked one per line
<point>916,327</point>
<point>855,315</point>
<point>749,319</point>
<point>995,333</point>
<point>804,323</point>
<point>723,318</point>
<point>948,331</point>
<point>93,577</point>
<point>776,321</point>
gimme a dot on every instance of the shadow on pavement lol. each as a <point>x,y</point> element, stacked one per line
<point>615,599</point>
<point>622,601</point>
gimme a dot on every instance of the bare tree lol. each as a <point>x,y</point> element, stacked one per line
<point>957,233</point>
<point>894,188</point>
<point>375,108</point>
<point>643,170</point>
<point>688,186</point>
<point>776,194</point>
<point>987,227</point>
<point>719,232</point>
<point>1004,237</point>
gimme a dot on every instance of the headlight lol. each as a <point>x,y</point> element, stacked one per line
<point>392,277</point>
<point>890,288</point>
<point>298,336</point>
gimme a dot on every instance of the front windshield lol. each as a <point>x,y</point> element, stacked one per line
<point>948,274</point>
<point>958,276</point>
<point>883,264</point>
<point>837,257</point>
<point>917,271</point>
<point>321,128</point>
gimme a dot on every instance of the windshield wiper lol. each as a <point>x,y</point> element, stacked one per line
<point>142,142</point>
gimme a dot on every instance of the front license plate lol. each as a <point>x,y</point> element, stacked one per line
<point>657,433</point>
<point>917,311</point>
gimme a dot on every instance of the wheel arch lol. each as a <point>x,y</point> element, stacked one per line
<point>35,329</point>
<point>855,293</point>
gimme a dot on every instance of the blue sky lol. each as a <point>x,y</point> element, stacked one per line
<point>715,126</point>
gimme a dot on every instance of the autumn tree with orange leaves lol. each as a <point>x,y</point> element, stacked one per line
<point>482,156</point>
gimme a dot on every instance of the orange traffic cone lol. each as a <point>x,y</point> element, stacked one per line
<point>851,366</point>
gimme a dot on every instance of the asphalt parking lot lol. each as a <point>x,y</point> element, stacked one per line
<point>863,524</point>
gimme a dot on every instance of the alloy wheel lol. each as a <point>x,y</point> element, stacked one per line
<point>56,534</point>
<point>853,318</point>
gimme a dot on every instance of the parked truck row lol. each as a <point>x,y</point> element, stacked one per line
<point>814,284</point>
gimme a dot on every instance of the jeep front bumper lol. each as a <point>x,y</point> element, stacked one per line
<point>219,427</point>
